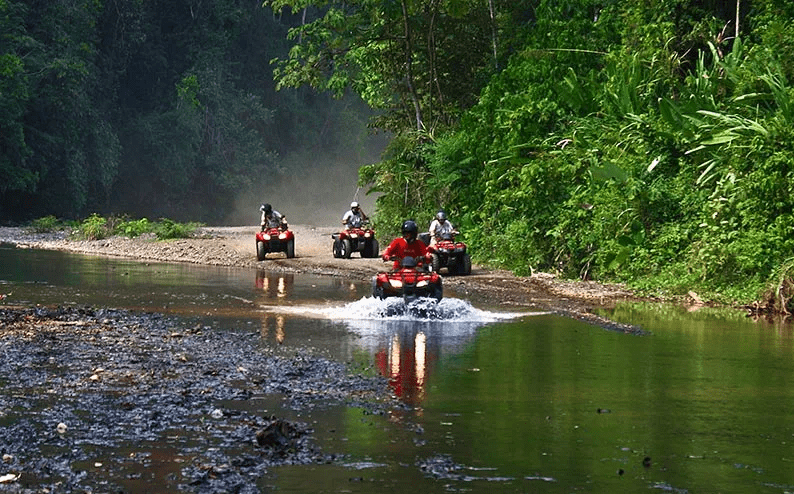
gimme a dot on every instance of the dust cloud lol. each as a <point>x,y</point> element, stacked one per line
<point>310,190</point>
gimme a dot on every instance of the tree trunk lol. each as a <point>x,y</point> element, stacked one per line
<point>409,75</point>
<point>493,34</point>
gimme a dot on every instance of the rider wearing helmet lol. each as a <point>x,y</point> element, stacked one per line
<point>272,218</point>
<point>355,217</point>
<point>439,227</point>
<point>406,246</point>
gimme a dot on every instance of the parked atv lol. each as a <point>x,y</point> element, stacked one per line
<point>409,282</point>
<point>274,240</point>
<point>351,240</point>
<point>447,253</point>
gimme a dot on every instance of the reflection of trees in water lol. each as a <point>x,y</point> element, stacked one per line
<point>274,285</point>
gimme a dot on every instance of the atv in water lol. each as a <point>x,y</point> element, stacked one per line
<point>409,282</point>
<point>447,253</point>
<point>274,240</point>
<point>360,239</point>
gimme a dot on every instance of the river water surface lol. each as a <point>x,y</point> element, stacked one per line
<point>495,400</point>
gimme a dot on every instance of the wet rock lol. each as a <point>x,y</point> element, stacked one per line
<point>278,435</point>
<point>146,399</point>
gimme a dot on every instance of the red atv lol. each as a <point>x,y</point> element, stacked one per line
<point>447,253</point>
<point>409,282</point>
<point>349,240</point>
<point>274,240</point>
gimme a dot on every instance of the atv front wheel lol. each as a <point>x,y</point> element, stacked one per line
<point>346,249</point>
<point>436,263</point>
<point>377,291</point>
<point>337,248</point>
<point>260,251</point>
<point>438,291</point>
<point>370,249</point>
<point>291,248</point>
<point>465,264</point>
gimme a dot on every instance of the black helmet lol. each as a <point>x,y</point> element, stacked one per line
<point>410,227</point>
<point>267,208</point>
<point>441,215</point>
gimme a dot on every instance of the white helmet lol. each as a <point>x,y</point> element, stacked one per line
<point>353,205</point>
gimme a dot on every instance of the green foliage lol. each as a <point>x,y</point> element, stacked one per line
<point>94,227</point>
<point>661,159</point>
<point>168,229</point>
<point>45,224</point>
<point>134,228</point>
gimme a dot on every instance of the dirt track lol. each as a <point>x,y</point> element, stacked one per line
<point>235,246</point>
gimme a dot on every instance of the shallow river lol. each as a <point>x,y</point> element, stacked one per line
<point>500,401</point>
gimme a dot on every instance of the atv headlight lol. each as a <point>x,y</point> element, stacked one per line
<point>367,235</point>
<point>396,283</point>
<point>421,284</point>
<point>354,235</point>
<point>266,236</point>
<point>282,235</point>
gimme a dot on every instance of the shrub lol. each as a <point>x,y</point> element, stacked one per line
<point>165,229</point>
<point>93,228</point>
<point>45,224</point>
<point>134,228</point>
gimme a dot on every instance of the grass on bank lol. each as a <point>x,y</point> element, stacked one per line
<point>97,227</point>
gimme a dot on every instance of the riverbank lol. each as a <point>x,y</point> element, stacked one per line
<point>101,399</point>
<point>235,246</point>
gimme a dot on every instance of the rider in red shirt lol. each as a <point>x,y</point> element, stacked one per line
<point>407,246</point>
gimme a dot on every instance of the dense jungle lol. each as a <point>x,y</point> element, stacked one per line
<point>639,142</point>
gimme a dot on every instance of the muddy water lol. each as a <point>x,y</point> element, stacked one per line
<point>493,401</point>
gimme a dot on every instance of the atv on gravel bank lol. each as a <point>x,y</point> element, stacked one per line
<point>360,239</point>
<point>271,240</point>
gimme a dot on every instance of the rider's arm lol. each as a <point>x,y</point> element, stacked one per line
<point>392,250</point>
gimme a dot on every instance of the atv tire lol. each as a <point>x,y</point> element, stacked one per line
<point>290,248</point>
<point>370,249</point>
<point>346,249</point>
<point>436,263</point>
<point>337,249</point>
<point>438,291</point>
<point>377,291</point>
<point>260,251</point>
<point>464,264</point>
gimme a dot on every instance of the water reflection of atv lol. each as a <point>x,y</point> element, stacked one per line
<point>359,239</point>
<point>274,285</point>
<point>447,253</point>
<point>274,240</point>
<point>408,282</point>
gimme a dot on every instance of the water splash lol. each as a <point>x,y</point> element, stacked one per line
<point>422,309</point>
